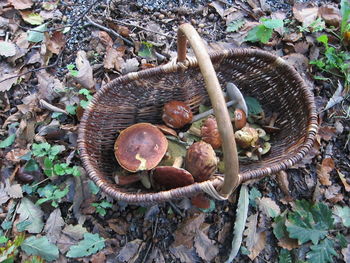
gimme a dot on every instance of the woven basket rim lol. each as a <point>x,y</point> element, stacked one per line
<point>170,67</point>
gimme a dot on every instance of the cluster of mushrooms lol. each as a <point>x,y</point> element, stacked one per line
<point>187,148</point>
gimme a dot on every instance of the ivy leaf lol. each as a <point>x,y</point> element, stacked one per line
<point>40,247</point>
<point>32,213</point>
<point>91,244</point>
<point>8,141</point>
<point>344,214</point>
<point>322,253</point>
<point>285,256</point>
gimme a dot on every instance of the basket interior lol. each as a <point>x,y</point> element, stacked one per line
<point>124,102</point>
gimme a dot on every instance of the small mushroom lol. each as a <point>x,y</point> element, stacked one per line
<point>239,119</point>
<point>210,133</point>
<point>140,147</point>
<point>176,114</point>
<point>246,137</point>
<point>201,161</point>
<point>166,130</point>
<point>271,128</point>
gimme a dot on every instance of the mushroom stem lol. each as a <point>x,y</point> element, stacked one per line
<point>178,162</point>
<point>209,112</point>
<point>273,119</point>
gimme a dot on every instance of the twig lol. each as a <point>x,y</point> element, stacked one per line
<point>177,210</point>
<point>108,30</point>
<point>151,243</point>
<point>142,28</point>
<point>51,107</point>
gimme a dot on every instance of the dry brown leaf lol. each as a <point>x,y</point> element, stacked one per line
<point>85,74</point>
<point>3,195</point>
<point>15,154</point>
<point>333,194</point>
<point>327,132</point>
<point>56,42</point>
<point>258,246</point>
<point>76,232</point>
<point>301,47</point>
<point>99,257</point>
<point>156,256</point>
<point>330,14</point>
<point>288,243</point>
<point>5,73</point>
<point>21,4</point>
<point>14,191</point>
<point>343,180</point>
<point>186,231</point>
<point>205,247</point>
<point>130,65</point>
<point>250,232</point>
<point>304,14</point>
<point>114,58</point>
<point>283,183</point>
<point>129,251</point>
<point>65,242</point>
<point>269,207</point>
<point>324,169</point>
<point>219,7</point>
<point>118,225</point>
<point>105,38</point>
<point>184,254</point>
<point>224,232</point>
<point>49,86</point>
<point>298,61</point>
<point>54,226</point>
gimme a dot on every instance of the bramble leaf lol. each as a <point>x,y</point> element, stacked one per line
<point>91,244</point>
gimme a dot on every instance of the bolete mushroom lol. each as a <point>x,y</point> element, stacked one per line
<point>176,114</point>
<point>201,161</point>
<point>240,119</point>
<point>246,137</point>
<point>210,133</point>
<point>140,147</point>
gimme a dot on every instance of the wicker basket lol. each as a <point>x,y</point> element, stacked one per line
<point>140,96</point>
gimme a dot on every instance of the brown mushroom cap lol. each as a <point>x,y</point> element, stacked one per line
<point>240,119</point>
<point>166,130</point>
<point>171,177</point>
<point>140,147</point>
<point>210,133</point>
<point>176,114</point>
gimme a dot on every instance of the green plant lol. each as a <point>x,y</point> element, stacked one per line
<point>72,109</point>
<point>101,207</point>
<point>9,251</point>
<point>334,62</point>
<point>51,193</point>
<point>315,26</point>
<point>311,222</point>
<point>263,32</point>
<point>345,13</point>
<point>72,70</point>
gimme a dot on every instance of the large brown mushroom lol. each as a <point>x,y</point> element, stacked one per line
<point>140,147</point>
<point>171,177</point>
<point>210,133</point>
<point>176,114</point>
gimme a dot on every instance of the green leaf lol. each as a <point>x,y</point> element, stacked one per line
<point>22,225</point>
<point>85,92</point>
<point>146,50</point>
<point>71,109</point>
<point>84,103</point>
<point>285,256</point>
<point>93,187</point>
<point>254,106</point>
<point>342,240</point>
<point>41,149</point>
<point>345,13</point>
<point>3,239</point>
<point>30,212</point>
<point>40,247</point>
<point>253,195</point>
<point>323,39</point>
<point>242,211</point>
<point>8,141</point>
<point>7,49</point>
<point>253,34</point>
<point>76,171</point>
<point>34,19</point>
<point>279,227</point>
<point>37,34</point>
<point>59,169</point>
<point>235,25</point>
<point>31,166</point>
<point>322,253</point>
<point>91,244</point>
<point>343,213</point>
<point>56,149</point>
<point>272,23</point>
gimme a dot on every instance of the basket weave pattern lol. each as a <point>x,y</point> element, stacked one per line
<point>139,97</point>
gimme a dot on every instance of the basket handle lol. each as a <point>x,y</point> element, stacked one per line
<point>187,32</point>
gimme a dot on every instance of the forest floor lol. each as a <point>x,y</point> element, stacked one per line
<point>54,56</point>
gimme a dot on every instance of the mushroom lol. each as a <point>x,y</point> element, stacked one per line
<point>270,128</point>
<point>246,137</point>
<point>240,119</point>
<point>140,147</point>
<point>166,130</point>
<point>210,133</point>
<point>176,114</point>
<point>171,177</point>
<point>236,100</point>
<point>201,161</point>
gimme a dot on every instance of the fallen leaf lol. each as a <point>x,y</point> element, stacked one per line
<point>8,76</point>
<point>156,256</point>
<point>49,87</point>
<point>21,4</point>
<point>268,207</point>
<point>250,232</point>
<point>333,194</point>
<point>7,49</point>
<point>283,183</point>
<point>3,195</point>
<point>327,132</point>
<point>32,18</point>
<point>105,39</point>
<point>37,34</point>
<point>65,242</point>
<point>129,251</point>
<point>130,65</point>
<point>258,246</point>
<point>337,97</point>
<point>54,226</point>
<point>184,254</point>
<point>15,154</point>
<point>343,180</point>
<point>200,201</point>
<point>288,243</point>
<point>186,231</point>
<point>330,14</point>
<point>205,247</point>
<point>85,74</point>
<point>324,169</point>
<point>301,47</point>
<point>76,232</point>
<point>346,253</point>
<point>305,15</point>
<point>32,213</point>
<point>56,42</point>
<point>14,191</point>
<point>119,225</point>
<point>100,257</point>
<point>114,58</point>
<point>219,7</point>
<point>224,232</point>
